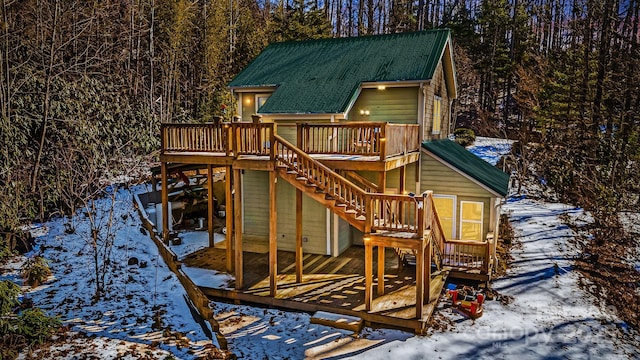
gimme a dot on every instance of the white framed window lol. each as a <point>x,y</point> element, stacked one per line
<point>260,100</point>
<point>446,207</point>
<point>437,115</point>
<point>471,216</point>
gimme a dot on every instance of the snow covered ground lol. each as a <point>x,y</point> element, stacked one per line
<point>549,315</point>
<point>138,296</point>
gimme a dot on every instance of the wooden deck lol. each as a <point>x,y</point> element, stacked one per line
<point>333,284</point>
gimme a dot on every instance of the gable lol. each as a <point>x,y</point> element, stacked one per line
<point>467,164</point>
<point>322,76</point>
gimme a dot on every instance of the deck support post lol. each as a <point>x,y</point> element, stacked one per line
<point>401,189</point>
<point>273,236</point>
<point>237,226</point>
<point>165,204</point>
<point>381,250</point>
<point>382,182</point>
<point>368,272</point>
<point>427,270</point>
<point>228,201</point>
<point>420,281</point>
<point>210,203</point>
<point>299,252</point>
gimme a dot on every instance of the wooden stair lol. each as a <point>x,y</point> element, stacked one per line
<point>321,196</point>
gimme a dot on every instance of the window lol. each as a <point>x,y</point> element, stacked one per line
<point>260,100</point>
<point>446,207</point>
<point>471,214</point>
<point>437,115</point>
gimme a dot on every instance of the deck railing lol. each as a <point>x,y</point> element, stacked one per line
<point>362,138</point>
<point>208,137</point>
<point>399,213</point>
<point>252,138</point>
<point>401,139</point>
<point>381,140</point>
<point>467,255</point>
<point>432,221</point>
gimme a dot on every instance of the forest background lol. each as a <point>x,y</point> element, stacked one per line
<point>84,86</point>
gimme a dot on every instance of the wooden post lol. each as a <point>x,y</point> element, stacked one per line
<point>382,182</point>
<point>237,226</point>
<point>229,209</point>
<point>428,207</point>
<point>368,272</point>
<point>427,269</point>
<point>210,205</point>
<point>165,204</point>
<point>420,281</point>
<point>299,252</point>
<point>401,189</point>
<point>383,142</point>
<point>273,235</point>
<point>381,270</point>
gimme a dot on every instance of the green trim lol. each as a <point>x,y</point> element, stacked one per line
<point>475,168</point>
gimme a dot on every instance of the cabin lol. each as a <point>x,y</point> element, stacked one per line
<point>338,163</point>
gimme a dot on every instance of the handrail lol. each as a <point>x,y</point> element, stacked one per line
<point>342,190</point>
<point>249,138</point>
<point>207,137</point>
<point>466,255</point>
<point>400,213</point>
<point>401,139</point>
<point>362,138</point>
<point>433,222</point>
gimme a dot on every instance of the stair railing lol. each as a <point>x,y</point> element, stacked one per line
<point>339,188</point>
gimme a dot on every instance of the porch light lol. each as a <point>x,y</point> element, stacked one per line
<point>248,100</point>
<point>381,87</point>
<point>364,112</point>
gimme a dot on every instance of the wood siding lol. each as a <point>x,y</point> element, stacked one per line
<point>397,105</point>
<point>442,180</point>
<point>256,214</point>
<point>314,221</point>
<point>255,196</point>
<point>437,87</point>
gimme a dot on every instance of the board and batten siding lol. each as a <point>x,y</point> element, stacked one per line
<point>443,180</point>
<point>396,105</point>
<point>256,214</point>
<point>255,196</point>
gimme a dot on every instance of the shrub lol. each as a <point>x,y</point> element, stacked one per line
<point>36,270</point>
<point>464,137</point>
<point>9,292</point>
<point>21,328</point>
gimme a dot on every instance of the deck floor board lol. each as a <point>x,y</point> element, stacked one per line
<point>329,283</point>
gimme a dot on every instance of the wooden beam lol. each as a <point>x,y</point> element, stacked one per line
<point>403,175</point>
<point>401,188</point>
<point>273,235</point>
<point>382,182</point>
<point>228,196</point>
<point>381,270</point>
<point>299,252</point>
<point>210,203</point>
<point>419,282</point>
<point>368,273</point>
<point>237,225</point>
<point>165,204</point>
<point>427,269</point>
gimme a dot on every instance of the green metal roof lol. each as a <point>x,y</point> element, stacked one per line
<point>476,168</point>
<point>322,76</point>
